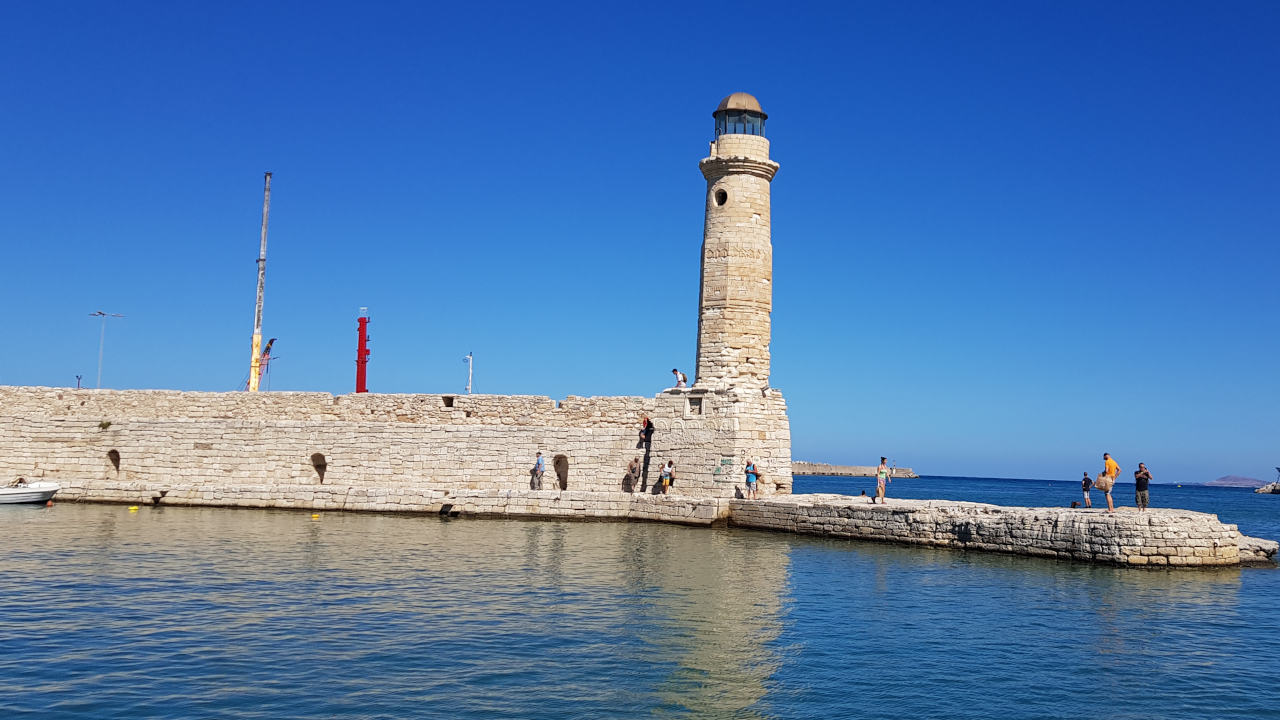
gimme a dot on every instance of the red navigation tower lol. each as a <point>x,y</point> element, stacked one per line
<point>362,351</point>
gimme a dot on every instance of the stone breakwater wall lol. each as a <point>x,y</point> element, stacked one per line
<point>1159,537</point>
<point>186,443</point>
<point>799,467</point>
<point>532,504</point>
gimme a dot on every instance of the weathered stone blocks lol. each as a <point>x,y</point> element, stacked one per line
<point>216,440</point>
<point>1125,538</point>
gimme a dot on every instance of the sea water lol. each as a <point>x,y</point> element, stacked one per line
<point>224,613</point>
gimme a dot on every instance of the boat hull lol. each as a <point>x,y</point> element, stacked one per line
<point>34,493</point>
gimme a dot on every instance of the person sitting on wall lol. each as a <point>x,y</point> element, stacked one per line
<point>682,380</point>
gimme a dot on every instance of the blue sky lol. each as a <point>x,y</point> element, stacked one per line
<point>1007,236</point>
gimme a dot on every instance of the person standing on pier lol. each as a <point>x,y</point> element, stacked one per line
<point>539,467</point>
<point>632,479</point>
<point>1086,484</point>
<point>1107,479</point>
<point>752,476</point>
<point>882,478</point>
<point>666,476</point>
<point>1142,485</point>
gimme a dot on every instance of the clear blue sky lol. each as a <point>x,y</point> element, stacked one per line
<point>1007,236</point>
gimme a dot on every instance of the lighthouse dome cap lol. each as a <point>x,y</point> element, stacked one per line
<point>741,101</point>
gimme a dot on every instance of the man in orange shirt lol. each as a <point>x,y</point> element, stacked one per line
<point>1111,470</point>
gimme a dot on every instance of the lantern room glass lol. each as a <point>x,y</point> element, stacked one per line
<point>739,122</point>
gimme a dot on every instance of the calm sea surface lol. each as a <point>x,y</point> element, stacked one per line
<point>220,613</point>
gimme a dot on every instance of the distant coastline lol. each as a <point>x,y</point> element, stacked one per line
<point>1236,481</point>
<point>800,467</point>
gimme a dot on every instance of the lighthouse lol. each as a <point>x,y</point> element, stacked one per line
<point>736,296</point>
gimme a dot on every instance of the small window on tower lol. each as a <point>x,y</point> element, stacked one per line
<point>722,197</point>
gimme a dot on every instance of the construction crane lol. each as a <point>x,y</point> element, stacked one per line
<point>264,362</point>
<point>255,358</point>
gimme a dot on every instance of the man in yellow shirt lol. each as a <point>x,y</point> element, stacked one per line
<point>1112,470</point>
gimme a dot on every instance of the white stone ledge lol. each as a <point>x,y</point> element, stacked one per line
<point>1161,536</point>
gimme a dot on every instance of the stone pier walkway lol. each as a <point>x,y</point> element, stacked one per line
<point>1159,537</point>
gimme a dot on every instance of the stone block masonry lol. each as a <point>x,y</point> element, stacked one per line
<point>737,265</point>
<point>215,442</point>
<point>470,455</point>
<point>527,504</point>
<point>1159,537</point>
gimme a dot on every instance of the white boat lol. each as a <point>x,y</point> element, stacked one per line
<point>29,492</point>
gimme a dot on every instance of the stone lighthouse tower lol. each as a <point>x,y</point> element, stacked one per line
<point>736,298</point>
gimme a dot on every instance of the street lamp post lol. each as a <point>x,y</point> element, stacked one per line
<point>102,338</point>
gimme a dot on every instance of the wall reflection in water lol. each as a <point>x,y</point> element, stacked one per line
<point>190,612</point>
<point>277,612</point>
<point>705,606</point>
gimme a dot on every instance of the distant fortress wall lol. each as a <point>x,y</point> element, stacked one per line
<point>811,468</point>
<point>154,441</point>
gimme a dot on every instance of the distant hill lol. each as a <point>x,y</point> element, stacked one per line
<point>1236,481</point>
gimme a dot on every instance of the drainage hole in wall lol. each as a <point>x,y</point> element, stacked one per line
<point>320,464</point>
<point>561,465</point>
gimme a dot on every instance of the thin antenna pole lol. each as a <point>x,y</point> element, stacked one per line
<point>255,362</point>
<point>102,340</point>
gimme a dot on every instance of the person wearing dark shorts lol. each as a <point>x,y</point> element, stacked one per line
<point>1142,483</point>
